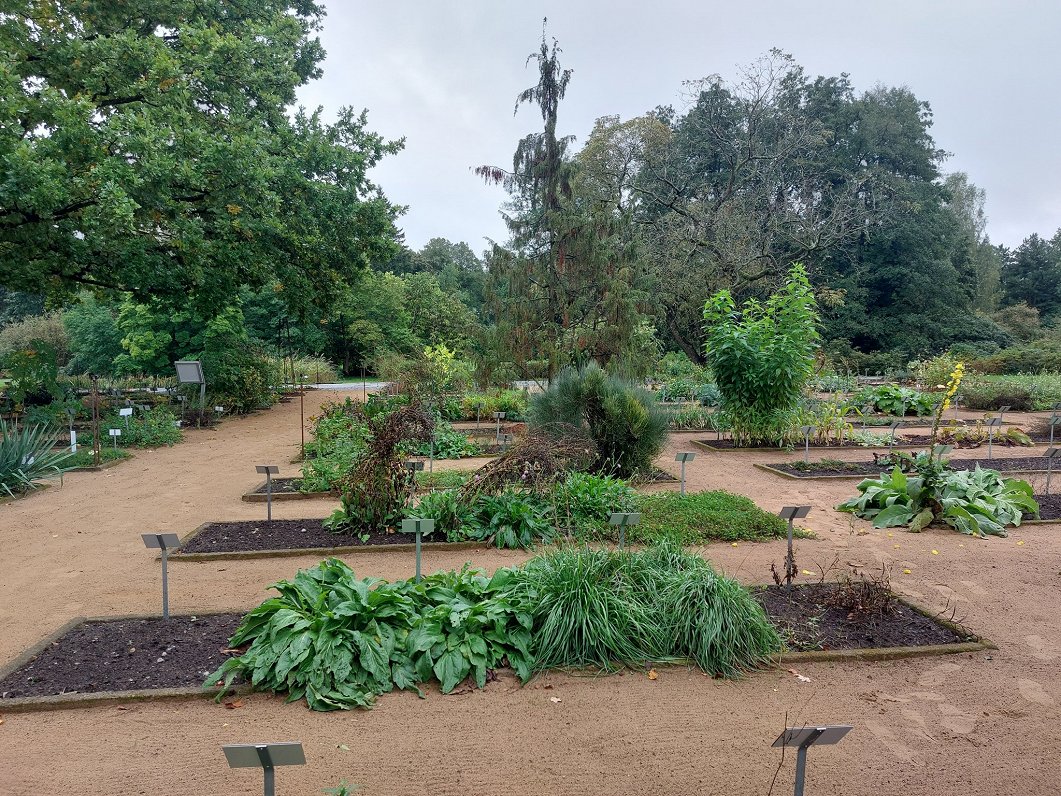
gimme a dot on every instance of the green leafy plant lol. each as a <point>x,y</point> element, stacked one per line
<point>512,519</point>
<point>891,399</point>
<point>585,498</point>
<point>698,517</point>
<point>627,425</point>
<point>447,443</point>
<point>151,429</point>
<point>762,357</point>
<point>28,455</point>
<point>976,502</point>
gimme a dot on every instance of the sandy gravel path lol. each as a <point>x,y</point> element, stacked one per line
<point>979,723</point>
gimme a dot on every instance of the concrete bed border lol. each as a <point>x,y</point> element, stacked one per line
<point>101,698</point>
<point>104,698</point>
<point>706,445</point>
<point>237,555</point>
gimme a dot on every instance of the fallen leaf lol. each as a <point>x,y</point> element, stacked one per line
<point>235,703</point>
<point>906,572</point>
<point>734,544</point>
<point>1020,542</point>
<point>342,746</point>
<point>895,546</point>
<point>807,572</point>
<point>801,677</point>
<point>652,674</point>
<point>935,552</point>
<point>554,700</point>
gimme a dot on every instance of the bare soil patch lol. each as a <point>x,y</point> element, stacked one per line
<point>1014,464</point>
<point>126,655</point>
<point>305,534</point>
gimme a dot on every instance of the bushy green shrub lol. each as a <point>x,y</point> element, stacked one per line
<point>481,406</point>
<point>28,332</point>
<point>447,443</point>
<point>987,394</point>
<point>762,357</point>
<point>584,498</point>
<point>27,456</point>
<point>151,429</point>
<point>891,399</point>
<point>934,372</point>
<point>627,425</point>
<point>699,517</point>
<point>1042,356</point>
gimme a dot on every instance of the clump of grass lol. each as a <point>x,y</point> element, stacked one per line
<point>608,608</point>
<point>699,517</point>
<point>83,457</point>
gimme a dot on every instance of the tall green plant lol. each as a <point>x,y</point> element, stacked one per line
<point>27,455</point>
<point>625,421</point>
<point>762,356</point>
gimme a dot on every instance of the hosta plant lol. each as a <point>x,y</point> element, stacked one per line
<point>976,502</point>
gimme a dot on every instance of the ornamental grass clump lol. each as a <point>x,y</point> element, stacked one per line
<point>28,455</point>
<point>762,356</point>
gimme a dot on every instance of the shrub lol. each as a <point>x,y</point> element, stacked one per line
<point>375,491</point>
<point>584,498</point>
<point>762,357</point>
<point>899,401</point>
<point>625,422</point>
<point>1041,356</point>
<point>446,443</point>
<point>511,519</point>
<point>27,456</point>
<point>984,394</point>
<point>95,340</point>
<point>150,429</point>
<point>933,372</point>
<point>29,332</point>
<point>699,517</point>
<point>482,405</point>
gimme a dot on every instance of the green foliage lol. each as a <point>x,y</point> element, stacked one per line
<point>763,356</point>
<point>482,406</point>
<point>448,443</point>
<point>934,372</point>
<point>27,456</point>
<point>1040,356</point>
<point>33,375</point>
<point>891,399</point>
<point>1021,393</point>
<point>688,418</point>
<point>511,519</point>
<point>587,499</point>
<point>84,457</point>
<point>95,339</point>
<point>150,429</point>
<point>340,641</point>
<point>161,153</point>
<point>624,421</point>
<point>699,517</point>
<point>442,479</point>
<point>340,437</point>
<point>605,609</point>
<point>976,502</point>
<point>26,333</point>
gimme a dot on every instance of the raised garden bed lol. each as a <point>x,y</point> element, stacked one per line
<point>99,661</point>
<point>129,655</point>
<point>1015,465</point>
<point>723,445</point>
<point>822,617</point>
<point>285,488</point>
<point>254,538</point>
<point>1049,509</point>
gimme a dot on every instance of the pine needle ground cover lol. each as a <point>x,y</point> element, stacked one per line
<point>339,641</point>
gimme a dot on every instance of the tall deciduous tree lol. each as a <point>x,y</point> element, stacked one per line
<point>150,146</point>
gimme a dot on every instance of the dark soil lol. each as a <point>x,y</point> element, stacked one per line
<point>126,655</point>
<point>1006,465</point>
<point>1049,507</point>
<point>250,535</point>
<point>811,617</point>
<point>281,486</point>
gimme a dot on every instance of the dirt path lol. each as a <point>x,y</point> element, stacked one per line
<point>980,723</point>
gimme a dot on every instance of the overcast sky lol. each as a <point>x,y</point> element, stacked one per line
<point>445,73</point>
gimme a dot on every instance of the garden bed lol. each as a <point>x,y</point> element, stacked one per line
<point>247,538</point>
<point>817,617</point>
<point>835,469</point>
<point>285,488</point>
<point>722,445</point>
<point>1049,509</point>
<point>100,656</point>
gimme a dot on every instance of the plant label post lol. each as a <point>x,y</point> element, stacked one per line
<point>1002,411</point>
<point>498,416</point>
<point>126,412</point>
<point>190,371</point>
<point>414,466</point>
<point>803,738</point>
<point>992,426</point>
<point>164,542</point>
<point>268,470</point>
<point>1051,454</point>
<point>683,457</point>
<point>115,433</point>
<point>623,520</point>
<point>95,420</point>
<point>73,441</point>
<point>806,431</point>
<point>791,513</point>
<point>1055,420</point>
<point>266,756</point>
<point>418,526</point>
<point>505,441</point>
<point>891,434</point>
